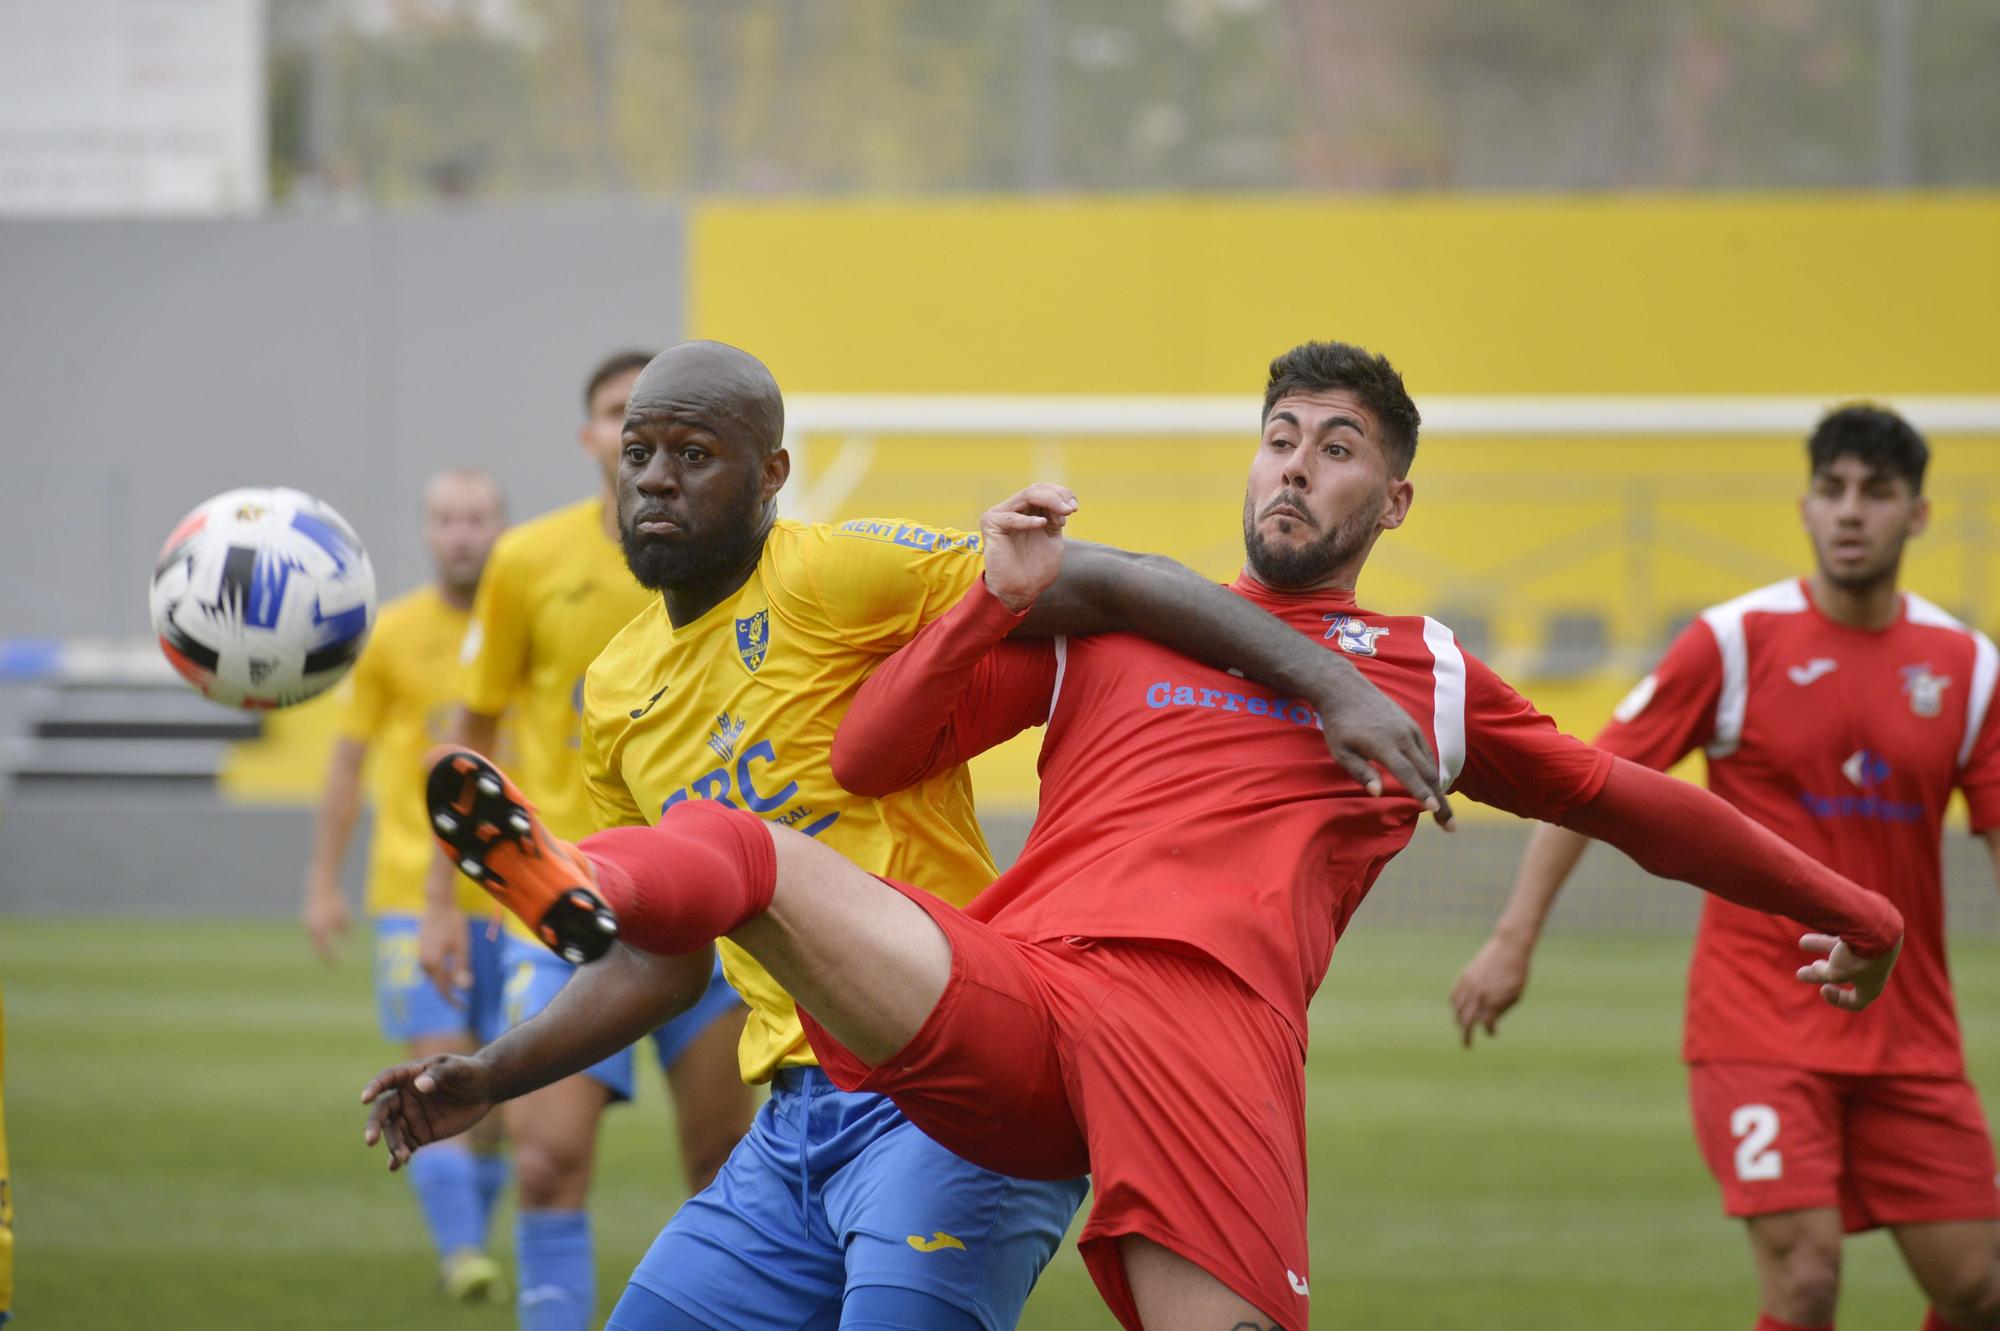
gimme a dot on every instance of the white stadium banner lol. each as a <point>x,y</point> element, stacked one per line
<point>131,107</point>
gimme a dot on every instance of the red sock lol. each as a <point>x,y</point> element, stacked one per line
<point>683,884</point>
<point>1766,1322</point>
<point>1932,1322</point>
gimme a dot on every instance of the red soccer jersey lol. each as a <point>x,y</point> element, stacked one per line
<point>1183,805</point>
<point>1847,743</point>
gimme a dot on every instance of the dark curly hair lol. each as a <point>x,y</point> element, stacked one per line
<point>1881,439</point>
<point>1319,366</point>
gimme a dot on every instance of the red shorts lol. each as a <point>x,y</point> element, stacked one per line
<point>1178,1089</point>
<point>1885,1150</point>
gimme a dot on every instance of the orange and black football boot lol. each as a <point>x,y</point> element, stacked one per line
<point>496,840</point>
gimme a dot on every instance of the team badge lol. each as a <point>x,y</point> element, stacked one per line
<point>1356,638</point>
<point>753,639</point>
<point>1925,690</point>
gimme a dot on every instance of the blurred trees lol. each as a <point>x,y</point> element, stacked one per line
<point>397,101</point>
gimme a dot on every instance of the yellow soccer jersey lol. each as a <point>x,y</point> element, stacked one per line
<point>741,706</point>
<point>402,693</point>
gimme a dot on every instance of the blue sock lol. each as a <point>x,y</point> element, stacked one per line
<point>448,1189</point>
<point>491,1168</point>
<point>556,1271</point>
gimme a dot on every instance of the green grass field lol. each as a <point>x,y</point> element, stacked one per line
<point>187,1147</point>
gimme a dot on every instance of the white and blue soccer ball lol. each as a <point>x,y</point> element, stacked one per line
<point>263,598</point>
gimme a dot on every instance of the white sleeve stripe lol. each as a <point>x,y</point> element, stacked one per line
<point>1985,672</point>
<point>1726,622</point>
<point>1447,700</point>
<point>1062,664</point>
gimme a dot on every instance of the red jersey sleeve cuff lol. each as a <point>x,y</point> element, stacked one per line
<point>1982,806</point>
<point>981,609</point>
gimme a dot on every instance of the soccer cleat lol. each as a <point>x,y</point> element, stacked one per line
<point>491,832</point>
<point>472,1277</point>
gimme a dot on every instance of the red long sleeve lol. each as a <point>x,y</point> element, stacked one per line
<point>956,689</point>
<point>1678,830</point>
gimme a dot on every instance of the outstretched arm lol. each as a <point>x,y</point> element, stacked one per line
<point>1677,830</point>
<point>607,1005</point>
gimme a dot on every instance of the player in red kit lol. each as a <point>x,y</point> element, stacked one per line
<point>1130,998</point>
<point>1841,713</point>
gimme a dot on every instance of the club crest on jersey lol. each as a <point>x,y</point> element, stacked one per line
<point>1925,690</point>
<point>1356,638</point>
<point>753,639</point>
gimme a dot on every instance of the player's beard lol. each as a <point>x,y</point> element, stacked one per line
<point>727,540</point>
<point>1287,566</point>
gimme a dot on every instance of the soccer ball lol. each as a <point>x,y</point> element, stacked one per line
<point>263,598</point>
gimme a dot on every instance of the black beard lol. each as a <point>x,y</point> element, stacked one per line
<point>660,566</point>
<point>1303,565</point>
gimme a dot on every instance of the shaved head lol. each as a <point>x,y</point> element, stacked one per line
<point>726,389</point>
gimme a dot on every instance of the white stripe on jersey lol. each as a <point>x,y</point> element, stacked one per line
<point>1062,664</point>
<point>1447,700</point>
<point>1726,622</point>
<point>1985,668</point>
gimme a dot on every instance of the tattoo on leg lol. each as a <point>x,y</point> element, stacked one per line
<point>1256,1326</point>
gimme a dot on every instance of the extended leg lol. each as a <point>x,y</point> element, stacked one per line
<point>867,962</point>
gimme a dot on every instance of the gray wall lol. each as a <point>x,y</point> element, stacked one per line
<point>145,365</point>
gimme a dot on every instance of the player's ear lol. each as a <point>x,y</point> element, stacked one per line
<point>1920,515</point>
<point>1401,495</point>
<point>777,469</point>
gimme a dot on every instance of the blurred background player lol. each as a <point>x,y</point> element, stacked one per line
<point>402,693</point>
<point>555,592</point>
<point>1841,712</point>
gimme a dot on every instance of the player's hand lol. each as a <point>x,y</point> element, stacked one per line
<point>1845,980</point>
<point>1023,541</point>
<point>415,1104</point>
<point>1366,732</point>
<point>326,919</point>
<point>1491,983</point>
<point>442,952</point>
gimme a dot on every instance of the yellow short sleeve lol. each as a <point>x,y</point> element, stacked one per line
<point>495,652</point>
<point>876,582</point>
<point>368,694</point>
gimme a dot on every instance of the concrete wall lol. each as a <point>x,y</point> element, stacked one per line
<point>147,365</point>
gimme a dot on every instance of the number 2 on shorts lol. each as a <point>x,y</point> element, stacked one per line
<point>1755,1127</point>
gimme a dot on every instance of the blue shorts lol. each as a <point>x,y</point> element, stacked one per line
<point>410,1007</point>
<point>536,975</point>
<point>831,1191</point>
